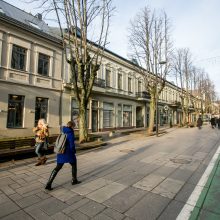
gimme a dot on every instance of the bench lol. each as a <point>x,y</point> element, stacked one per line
<point>12,147</point>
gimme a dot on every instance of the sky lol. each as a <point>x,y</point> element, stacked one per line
<point>195,25</point>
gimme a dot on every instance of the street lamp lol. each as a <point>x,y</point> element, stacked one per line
<point>161,63</point>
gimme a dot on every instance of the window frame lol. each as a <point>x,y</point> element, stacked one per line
<point>18,57</point>
<point>45,60</point>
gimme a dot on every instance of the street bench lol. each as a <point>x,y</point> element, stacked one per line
<point>12,147</point>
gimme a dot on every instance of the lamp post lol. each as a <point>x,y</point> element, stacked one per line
<point>157,130</point>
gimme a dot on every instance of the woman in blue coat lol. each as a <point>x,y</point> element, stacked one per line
<point>69,156</point>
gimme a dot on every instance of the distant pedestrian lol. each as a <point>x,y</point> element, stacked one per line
<point>41,135</point>
<point>199,122</point>
<point>69,156</point>
<point>213,122</point>
<point>218,122</point>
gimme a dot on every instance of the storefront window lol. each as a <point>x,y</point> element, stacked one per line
<point>108,117</point>
<point>41,108</point>
<point>127,116</point>
<point>119,115</point>
<point>15,111</point>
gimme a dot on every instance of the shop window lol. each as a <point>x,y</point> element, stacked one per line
<point>43,64</point>
<point>41,109</point>
<point>108,116</point>
<point>127,116</point>
<point>18,59</point>
<point>119,115</point>
<point>15,111</point>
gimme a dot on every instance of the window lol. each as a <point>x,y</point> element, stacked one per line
<point>108,78</point>
<point>129,84</point>
<point>15,111</point>
<point>41,108</point>
<point>139,86</point>
<point>75,113</point>
<point>127,116</point>
<point>43,64</point>
<point>120,81</point>
<point>18,59</point>
<point>108,117</point>
<point>119,115</point>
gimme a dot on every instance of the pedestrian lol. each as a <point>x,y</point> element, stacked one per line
<point>218,122</point>
<point>69,156</point>
<point>41,135</point>
<point>199,122</point>
<point>213,122</point>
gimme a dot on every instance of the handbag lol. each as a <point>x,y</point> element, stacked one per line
<point>60,144</point>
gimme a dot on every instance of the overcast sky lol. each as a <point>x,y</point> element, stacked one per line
<point>195,25</point>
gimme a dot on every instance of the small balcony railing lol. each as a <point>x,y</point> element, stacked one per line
<point>144,95</point>
<point>99,83</point>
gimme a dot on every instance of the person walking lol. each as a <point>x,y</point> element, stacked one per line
<point>69,156</point>
<point>213,122</point>
<point>199,122</point>
<point>41,134</point>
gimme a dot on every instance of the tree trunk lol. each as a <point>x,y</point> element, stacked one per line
<point>83,131</point>
<point>151,116</point>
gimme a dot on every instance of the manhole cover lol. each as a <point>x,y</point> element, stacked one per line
<point>127,150</point>
<point>180,161</point>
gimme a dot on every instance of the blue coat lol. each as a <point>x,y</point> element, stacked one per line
<point>69,155</point>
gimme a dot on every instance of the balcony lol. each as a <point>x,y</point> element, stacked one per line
<point>143,95</point>
<point>99,82</point>
<point>175,104</point>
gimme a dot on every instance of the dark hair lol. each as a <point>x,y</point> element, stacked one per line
<point>71,124</point>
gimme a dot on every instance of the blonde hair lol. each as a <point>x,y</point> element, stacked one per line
<point>43,122</point>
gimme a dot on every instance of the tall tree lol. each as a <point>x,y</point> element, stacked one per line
<point>150,43</point>
<point>84,26</point>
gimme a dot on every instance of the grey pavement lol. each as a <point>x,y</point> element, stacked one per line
<point>133,177</point>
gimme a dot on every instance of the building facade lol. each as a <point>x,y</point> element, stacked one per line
<point>35,83</point>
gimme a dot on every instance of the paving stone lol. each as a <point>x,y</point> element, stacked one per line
<point>28,201</point>
<point>130,179</point>
<point>91,208</point>
<point>106,192</point>
<point>77,215</point>
<point>125,199</point>
<point>3,198</point>
<point>164,171</point>
<point>182,175</point>
<point>6,181</point>
<point>148,208</point>
<point>63,194</point>
<point>15,186</point>
<point>185,192</point>
<point>5,173</point>
<point>168,188</point>
<point>102,216</point>
<point>74,199</point>
<point>8,208</point>
<point>113,214</point>
<point>172,210</point>
<point>76,205</point>
<point>149,182</point>
<point>7,190</point>
<point>38,214</point>
<point>118,174</point>
<point>84,189</point>
<point>29,188</point>
<point>15,196</point>
<point>60,216</point>
<point>43,195</point>
<point>20,215</point>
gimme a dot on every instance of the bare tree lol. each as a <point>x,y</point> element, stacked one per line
<point>150,44</point>
<point>182,65</point>
<point>84,26</point>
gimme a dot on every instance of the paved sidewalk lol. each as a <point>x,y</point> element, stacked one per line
<point>133,177</point>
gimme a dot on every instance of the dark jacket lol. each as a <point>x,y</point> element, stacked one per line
<point>69,155</point>
<point>199,122</point>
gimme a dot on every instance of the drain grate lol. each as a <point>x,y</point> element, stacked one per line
<point>181,161</point>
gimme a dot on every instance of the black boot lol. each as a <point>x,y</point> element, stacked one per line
<point>52,176</point>
<point>74,174</point>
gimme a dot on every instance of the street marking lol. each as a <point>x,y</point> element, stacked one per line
<point>191,202</point>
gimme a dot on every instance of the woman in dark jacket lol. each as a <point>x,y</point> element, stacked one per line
<point>68,157</point>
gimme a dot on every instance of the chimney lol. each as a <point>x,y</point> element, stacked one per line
<point>39,16</point>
